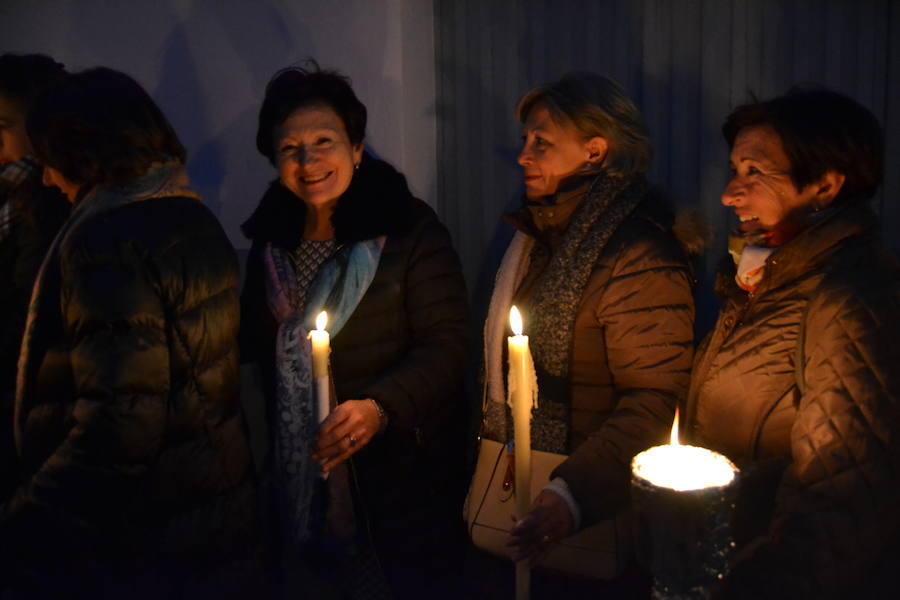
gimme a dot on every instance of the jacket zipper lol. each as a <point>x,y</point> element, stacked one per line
<point>712,350</point>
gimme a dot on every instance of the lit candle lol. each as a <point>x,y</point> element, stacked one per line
<point>683,468</point>
<point>522,393</point>
<point>683,499</point>
<point>321,348</point>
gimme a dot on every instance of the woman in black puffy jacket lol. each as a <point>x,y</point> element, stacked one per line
<point>340,231</point>
<point>137,477</point>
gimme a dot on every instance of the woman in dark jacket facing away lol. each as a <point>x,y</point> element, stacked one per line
<point>137,477</point>
<point>340,231</point>
<point>799,383</point>
<point>605,289</point>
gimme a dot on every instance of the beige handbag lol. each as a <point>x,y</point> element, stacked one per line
<point>598,552</point>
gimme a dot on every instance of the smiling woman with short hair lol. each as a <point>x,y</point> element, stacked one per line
<point>798,383</point>
<point>339,230</point>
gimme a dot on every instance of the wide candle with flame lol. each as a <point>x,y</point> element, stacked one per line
<point>681,467</point>
<point>321,348</point>
<point>522,393</point>
<point>683,500</point>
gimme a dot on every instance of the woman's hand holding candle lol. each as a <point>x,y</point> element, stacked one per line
<point>535,534</point>
<point>348,428</point>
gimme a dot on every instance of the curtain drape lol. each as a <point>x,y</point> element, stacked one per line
<point>686,63</point>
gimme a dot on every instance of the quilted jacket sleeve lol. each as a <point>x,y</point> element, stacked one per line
<point>647,314</point>
<point>438,320</point>
<point>836,514</point>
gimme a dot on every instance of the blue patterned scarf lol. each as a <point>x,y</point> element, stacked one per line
<point>339,286</point>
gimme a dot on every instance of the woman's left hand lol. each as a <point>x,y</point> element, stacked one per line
<point>349,427</point>
<point>549,521</point>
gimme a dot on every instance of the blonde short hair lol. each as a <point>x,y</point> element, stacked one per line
<point>596,106</point>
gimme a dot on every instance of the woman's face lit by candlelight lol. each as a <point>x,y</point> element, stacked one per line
<point>314,155</point>
<point>761,190</point>
<point>552,152</point>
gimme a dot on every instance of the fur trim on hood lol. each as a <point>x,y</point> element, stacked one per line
<point>378,202</point>
<point>692,231</point>
<point>688,226</point>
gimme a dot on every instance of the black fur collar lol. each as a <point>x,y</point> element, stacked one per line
<point>378,202</point>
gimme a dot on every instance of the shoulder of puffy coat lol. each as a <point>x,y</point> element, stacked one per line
<point>856,308</point>
<point>851,356</point>
<point>861,279</point>
<point>173,239</point>
<point>422,225</point>
<point>644,242</point>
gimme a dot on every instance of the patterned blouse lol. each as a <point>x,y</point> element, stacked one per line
<point>306,259</point>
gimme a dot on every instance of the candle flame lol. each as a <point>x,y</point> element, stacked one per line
<point>321,321</point>
<point>515,321</point>
<point>673,439</point>
<point>683,467</point>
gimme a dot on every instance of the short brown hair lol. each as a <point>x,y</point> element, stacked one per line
<point>100,127</point>
<point>297,87</point>
<point>596,106</point>
<point>820,130</point>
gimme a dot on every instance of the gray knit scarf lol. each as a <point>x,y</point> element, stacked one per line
<point>609,201</point>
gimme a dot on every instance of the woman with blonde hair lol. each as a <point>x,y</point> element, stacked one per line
<point>605,288</point>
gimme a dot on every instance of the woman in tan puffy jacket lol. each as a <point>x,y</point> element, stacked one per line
<point>605,289</point>
<point>799,381</point>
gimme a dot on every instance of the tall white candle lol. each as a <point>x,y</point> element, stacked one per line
<point>522,393</point>
<point>321,348</point>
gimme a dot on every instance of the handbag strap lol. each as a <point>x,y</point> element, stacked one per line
<point>487,488</point>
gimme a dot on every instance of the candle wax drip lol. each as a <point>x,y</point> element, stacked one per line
<point>530,375</point>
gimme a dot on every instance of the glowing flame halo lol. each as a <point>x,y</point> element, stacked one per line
<point>515,321</point>
<point>321,321</point>
<point>681,467</point>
